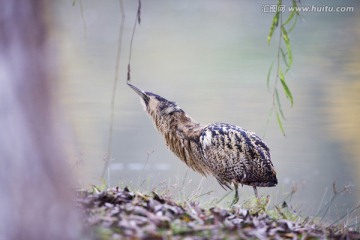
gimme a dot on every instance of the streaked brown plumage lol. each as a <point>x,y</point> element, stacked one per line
<point>230,153</point>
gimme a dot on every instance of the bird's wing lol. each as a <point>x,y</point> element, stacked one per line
<point>236,155</point>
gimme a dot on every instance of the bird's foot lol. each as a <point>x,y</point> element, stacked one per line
<point>235,200</point>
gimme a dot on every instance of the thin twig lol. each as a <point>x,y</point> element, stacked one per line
<point>83,19</point>
<point>137,21</point>
<point>278,62</point>
<point>183,184</point>
<point>322,200</point>
<point>142,170</point>
<point>116,80</point>
<point>347,214</point>
<point>207,193</point>
<point>223,197</point>
<point>268,121</point>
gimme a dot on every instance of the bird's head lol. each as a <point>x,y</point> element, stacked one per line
<point>155,105</point>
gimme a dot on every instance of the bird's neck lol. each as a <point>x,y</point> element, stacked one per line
<point>182,136</point>
<point>179,124</point>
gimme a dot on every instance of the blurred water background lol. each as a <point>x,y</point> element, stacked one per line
<point>212,58</point>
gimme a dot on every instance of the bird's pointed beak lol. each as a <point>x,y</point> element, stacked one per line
<point>141,93</point>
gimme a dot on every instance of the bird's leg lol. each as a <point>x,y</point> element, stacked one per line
<point>236,197</point>
<point>256,193</point>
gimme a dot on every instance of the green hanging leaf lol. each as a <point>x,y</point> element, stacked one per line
<point>284,57</point>
<point>285,87</point>
<point>280,122</point>
<point>293,25</point>
<point>279,104</point>
<point>274,24</point>
<point>289,55</point>
<point>268,76</point>
<point>284,34</point>
<point>291,16</point>
<point>288,46</point>
<point>294,2</point>
<point>293,13</point>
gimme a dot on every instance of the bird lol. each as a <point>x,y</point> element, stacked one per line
<point>233,155</point>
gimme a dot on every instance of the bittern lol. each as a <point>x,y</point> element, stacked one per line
<point>230,153</point>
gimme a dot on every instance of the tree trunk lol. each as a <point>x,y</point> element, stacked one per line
<point>35,196</point>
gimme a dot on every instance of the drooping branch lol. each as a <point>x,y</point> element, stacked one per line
<point>115,83</point>
<point>137,21</point>
<point>284,58</point>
